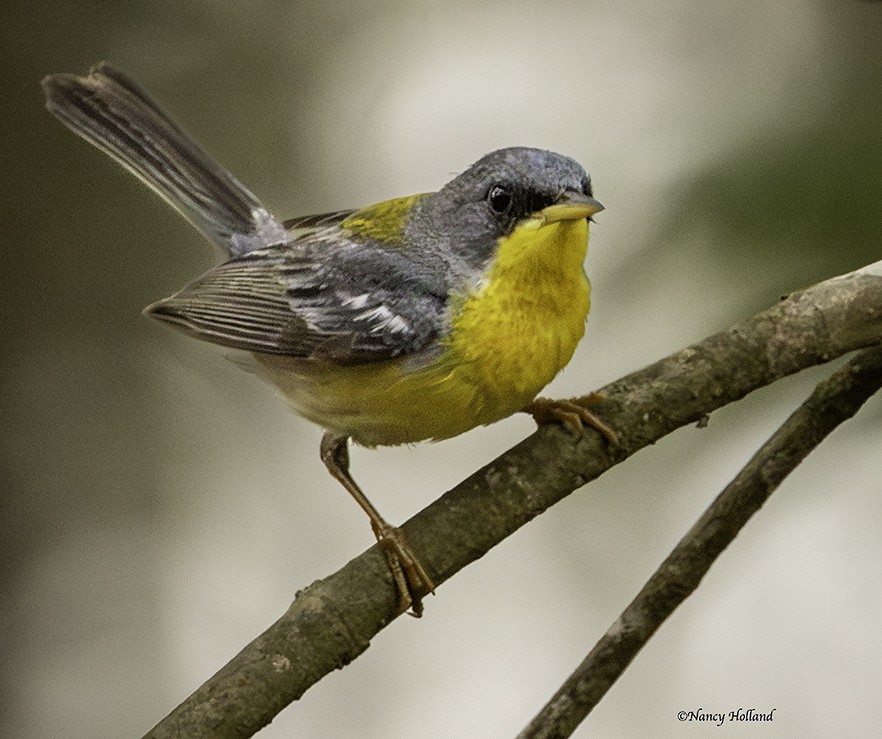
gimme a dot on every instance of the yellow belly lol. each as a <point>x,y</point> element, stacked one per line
<point>508,339</point>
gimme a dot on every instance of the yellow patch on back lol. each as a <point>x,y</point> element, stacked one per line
<point>384,221</point>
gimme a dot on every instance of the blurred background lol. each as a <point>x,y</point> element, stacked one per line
<point>160,508</point>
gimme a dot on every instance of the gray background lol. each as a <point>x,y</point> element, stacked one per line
<point>160,508</point>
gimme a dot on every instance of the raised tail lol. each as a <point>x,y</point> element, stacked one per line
<point>112,112</point>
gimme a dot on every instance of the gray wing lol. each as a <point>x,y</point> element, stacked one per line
<point>324,297</point>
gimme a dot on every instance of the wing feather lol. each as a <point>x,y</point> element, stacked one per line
<point>322,296</point>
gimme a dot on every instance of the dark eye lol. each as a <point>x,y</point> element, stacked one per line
<point>499,198</point>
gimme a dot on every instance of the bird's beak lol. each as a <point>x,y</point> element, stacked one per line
<point>571,206</point>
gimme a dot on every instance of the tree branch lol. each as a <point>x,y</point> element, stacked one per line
<point>332,621</point>
<point>833,401</point>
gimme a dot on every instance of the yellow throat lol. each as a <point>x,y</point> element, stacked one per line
<point>520,327</point>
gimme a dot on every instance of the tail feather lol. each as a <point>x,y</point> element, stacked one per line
<point>112,112</point>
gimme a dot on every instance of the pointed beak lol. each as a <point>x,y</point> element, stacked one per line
<point>571,206</point>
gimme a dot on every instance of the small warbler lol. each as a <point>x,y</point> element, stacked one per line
<point>413,319</point>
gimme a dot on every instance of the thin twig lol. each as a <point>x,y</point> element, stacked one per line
<point>834,400</point>
<point>333,620</point>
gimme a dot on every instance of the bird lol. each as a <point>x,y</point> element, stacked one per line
<point>413,319</point>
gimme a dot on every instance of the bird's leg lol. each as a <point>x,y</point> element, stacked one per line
<point>573,412</point>
<point>410,578</point>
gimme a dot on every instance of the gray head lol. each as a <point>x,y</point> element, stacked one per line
<point>463,221</point>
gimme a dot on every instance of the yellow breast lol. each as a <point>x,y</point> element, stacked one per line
<point>509,337</point>
<point>521,326</point>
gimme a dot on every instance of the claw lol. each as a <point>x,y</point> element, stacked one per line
<point>573,412</point>
<point>411,580</point>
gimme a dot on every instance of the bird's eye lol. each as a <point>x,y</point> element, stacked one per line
<point>499,198</point>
